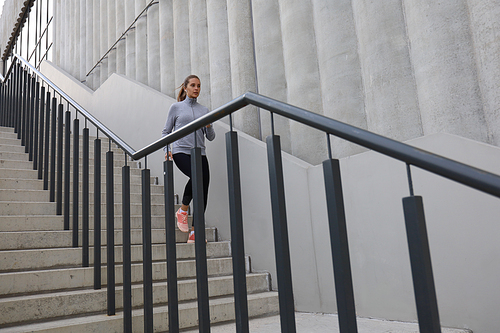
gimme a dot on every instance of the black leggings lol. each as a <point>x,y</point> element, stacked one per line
<point>183,162</point>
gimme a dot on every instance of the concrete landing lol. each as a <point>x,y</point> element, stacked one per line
<point>318,323</point>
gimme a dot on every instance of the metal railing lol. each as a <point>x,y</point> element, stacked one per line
<point>152,2</point>
<point>34,114</point>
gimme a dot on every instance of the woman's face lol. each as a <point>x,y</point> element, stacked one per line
<point>193,88</point>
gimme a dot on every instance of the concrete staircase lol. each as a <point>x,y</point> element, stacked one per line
<point>43,286</point>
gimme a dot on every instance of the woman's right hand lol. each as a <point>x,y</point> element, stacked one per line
<point>168,156</point>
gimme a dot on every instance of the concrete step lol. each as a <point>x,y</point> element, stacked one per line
<point>15,310</point>
<point>37,184</point>
<point>25,164</point>
<point>33,174</point>
<point>15,240</point>
<point>40,195</point>
<point>221,310</point>
<point>17,260</point>
<point>55,222</point>
<point>60,279</point>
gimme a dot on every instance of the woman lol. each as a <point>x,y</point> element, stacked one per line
<point>186,110</point>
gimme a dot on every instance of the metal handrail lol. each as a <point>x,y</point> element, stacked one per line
<point>106,131</point>
<point>123,34</point>
<point>40,39</point>
<point>459,172</point>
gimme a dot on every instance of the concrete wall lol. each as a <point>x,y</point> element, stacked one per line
<point>400,68</point>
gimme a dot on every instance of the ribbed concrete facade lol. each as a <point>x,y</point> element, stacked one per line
<point>400,68</point>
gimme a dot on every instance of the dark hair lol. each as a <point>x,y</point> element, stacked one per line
<point>182,93</point>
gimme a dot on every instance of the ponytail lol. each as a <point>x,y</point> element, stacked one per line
<point>182,92</point>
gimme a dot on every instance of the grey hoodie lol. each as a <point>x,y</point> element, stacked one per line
<point>181,114</point>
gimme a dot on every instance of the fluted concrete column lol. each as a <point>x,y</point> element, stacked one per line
<point>303,79</point>
<point>153,28</point>
<point>341,80</point>
<point>243,72</point>
<point>83,40</point>
<point>391,102</point>
<point>218,47</point>
<point>112,35</point>
<point>141,43</point>
<point>75,38</point>
<point>445,69</point>
<point>63,39</point>
<point>120,46</point>
<point>198,36</point>
<point>130,39</point>
<point>56,32</point>
<point>271,65</point>
<point>485,23</point>
<point>181,41</point>
<point>167,63</point>
<point>96,80</point>
<point>89,49</point>
<point>104,41</point>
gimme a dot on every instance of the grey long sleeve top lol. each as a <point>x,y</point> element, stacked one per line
<point>181,114</point>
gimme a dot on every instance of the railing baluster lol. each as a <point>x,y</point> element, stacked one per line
<point>237,244</point>
<point>110,231</point>
<point>200,245</point>
<point>67,169</point>
<point>173,298</point>
<point>47,143</point>
<point>41,134</point>
<point>340,248</point>
<point>76,190</point>
<point>85,197</point>
<point>60,113</point>
<point>421,266</point>
<point>31,116</point>
<point>127,256</point>
<point>36,124</point>
<point>97,213</point>
<point>24,109</point>
<point>282,250</point>
<point>147,264</point>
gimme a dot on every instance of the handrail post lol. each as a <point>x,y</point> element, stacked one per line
<point>59,154</point>
<point>41,133</point>
<point>127,256</point>
<point>237,239</point>
<point>282,249</point>
<point>85,197</point>
<point>147,251</point>
<point>173,299</point>
<point>76,190</point>
<point>340,247</point>
<point>67,170</point>
<point>31,116</point>
<point>421,267</point>
<point>199,244</point>
<point>36,124</point>
<point>110,231</point>
<point>47,143</point>
<point>97,213</point>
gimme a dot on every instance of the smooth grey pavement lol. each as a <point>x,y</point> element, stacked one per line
<point>318,323</point>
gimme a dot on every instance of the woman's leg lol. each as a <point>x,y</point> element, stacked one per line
<point>183,162</point>
<point>206,179</point>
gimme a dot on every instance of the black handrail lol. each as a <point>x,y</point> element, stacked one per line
<point>459,172</point>
<point>102,128</point>
<point>448,168</point>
